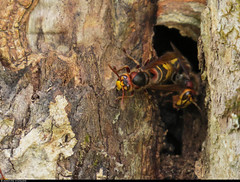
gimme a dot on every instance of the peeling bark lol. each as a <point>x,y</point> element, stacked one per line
<point>59,117</point>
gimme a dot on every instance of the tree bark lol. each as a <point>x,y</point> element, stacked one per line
<point>184,15</point>
<point>59,116</point>
<point>219,44</point>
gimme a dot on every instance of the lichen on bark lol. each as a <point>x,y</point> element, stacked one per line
<point>219,33</point>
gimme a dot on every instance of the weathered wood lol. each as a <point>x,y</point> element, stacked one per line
<point>220,47</point>
<point>183,15</point>
<point>59,117</point>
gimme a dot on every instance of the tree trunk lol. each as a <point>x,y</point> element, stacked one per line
<point>59,118</point>
<point>59,114</point>
<point>219,44</point>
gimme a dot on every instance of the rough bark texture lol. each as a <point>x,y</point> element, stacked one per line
<point>183,15</point>
<point>59,117</point>
<point>220,44</point>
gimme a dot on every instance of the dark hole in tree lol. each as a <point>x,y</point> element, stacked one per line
<point>188,47</point>
<point>172,118</point>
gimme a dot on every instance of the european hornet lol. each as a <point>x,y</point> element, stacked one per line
<point>156,73</point>
<point>186,84</point>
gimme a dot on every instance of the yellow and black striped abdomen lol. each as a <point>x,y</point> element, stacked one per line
<point>163,72</point>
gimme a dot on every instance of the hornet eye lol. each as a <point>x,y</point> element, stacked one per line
<point>186,96</point>
<point>125,82</point>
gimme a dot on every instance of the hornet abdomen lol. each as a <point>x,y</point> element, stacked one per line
<point>163,72</point>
